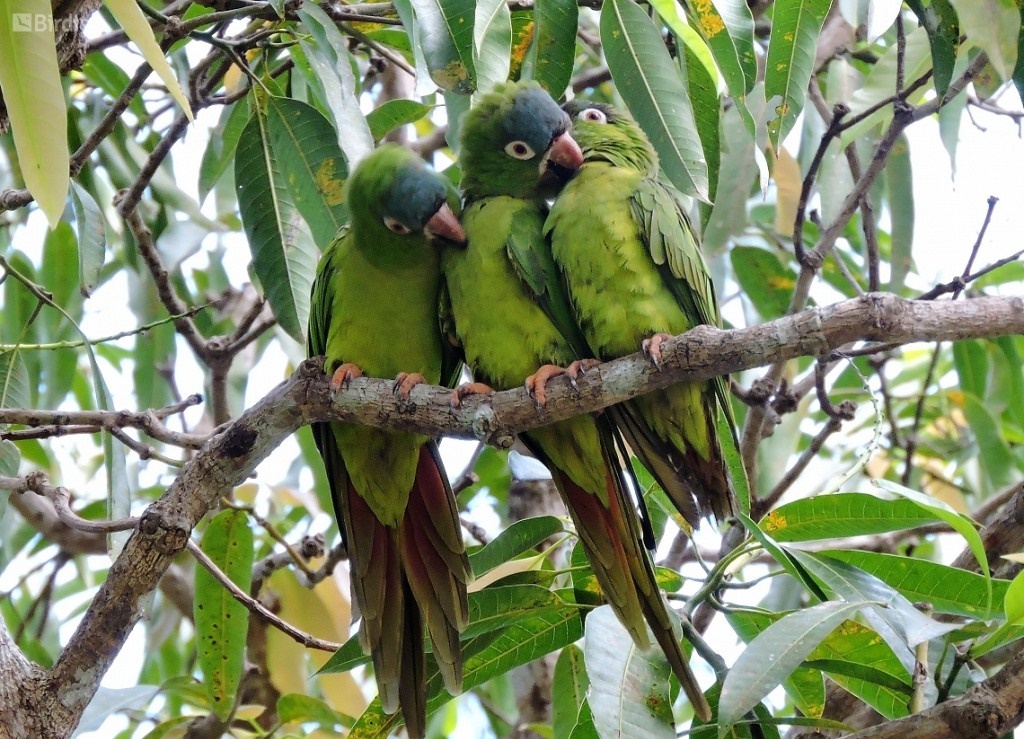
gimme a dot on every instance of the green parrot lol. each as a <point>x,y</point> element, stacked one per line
<point>635,275</point>
<point>512,316</point>
<point>374,310</point>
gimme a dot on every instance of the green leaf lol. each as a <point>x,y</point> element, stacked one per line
<point>805,686</point>
<point>899,180</point>
<point>133,21</point>
<point>1013,605</point>
<point>651,87</point>
<point>394,114</point>
<point>519,537</point>
<point>113,80</point>
<point>1009,378</point>
<point>997,460</point>
<point>703,88</point>
<point>284,254</point>
<point>313,167</point>
<point>298,708</point>
<point>92,238</point>
<point>842,515</point>
<point>329,58</point>
<point>943,27</point>
<point>947,589</point>
<point>795,28</point>
<point>492,43</point>
<point>728,28</point>
<point>961,524</point>
<point>773,655</point>
<point>445,33</point>
<point>970,357</point>
<point>222,622</point>
<point>992,26</point>
<point>568,690</point>
<point>554,51</point>
<point>765,280</point>
<point>852,584</point>
<point>32,92</point>
<point>220,151</point>
<point>628,688</point>
<point>14,390</point>
<point>500,606</point>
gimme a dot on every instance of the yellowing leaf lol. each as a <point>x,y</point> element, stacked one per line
<point>30,81</point>
<point>135,25</point>
<point>788,183</point>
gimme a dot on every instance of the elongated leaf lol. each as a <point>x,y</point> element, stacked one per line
<point>1013,605</point>
<point>697,48</point>
<point>842,515</point>
<point>30,80</point>
<point>220,152</point>
<point>773,655</point>
<point>947,589</point>
<point>899,181</point>
<point>765,280</point>
<point>703,88</point>
<point>133,21</point>
<point>14,383</point>
<point>519,537</point>
<point>445,33</point>
<point>728,28</point>
<point>568,690</point>
<point>92,239</point>
<point>805,686</point>
<point>328,56</point>
<point>499,606</point>
<point>997,461</point>
<point>283,251</point>
<point>795,28</point>
<point>394,114</point>
<point>628,688</point>
<point>1013,389</point>
<point>221,621</point>
<point>112,79</point>
<point>852,584</point>
<point>492,43</point>
<point>554,51</point>
<point>652,89</point>
<point>970,357</point>
<point>485,656</point>
<point>943,27</point>
<point>993,26</point>
<point>306,150</point>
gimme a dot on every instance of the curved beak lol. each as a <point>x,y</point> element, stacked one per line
<point>564,152</point>
<point>445,225</point>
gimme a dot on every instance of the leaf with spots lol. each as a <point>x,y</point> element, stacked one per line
<point>221,621</point>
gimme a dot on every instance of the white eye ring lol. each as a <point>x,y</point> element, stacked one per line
<point>519,150</point>
<point>396,225</point>
<point>593,115</point>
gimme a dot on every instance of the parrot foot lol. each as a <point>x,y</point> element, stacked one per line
<point>405,382</point>
<point>652,348</point>
<point>469,388</point>
<point>344,375</point>
<point>536,382</point>
<point>579,368</point>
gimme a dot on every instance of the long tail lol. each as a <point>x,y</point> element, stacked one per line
<point>406,578</point>
<point>612,538</point>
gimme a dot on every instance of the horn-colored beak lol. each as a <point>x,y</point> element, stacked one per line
<point>445,225</point>
<point>565,152</point>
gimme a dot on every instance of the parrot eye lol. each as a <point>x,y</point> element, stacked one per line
<point>396,225</point>
<point>593,115</point>
<point>519,150</point>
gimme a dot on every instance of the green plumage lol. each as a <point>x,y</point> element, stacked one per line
<point>374,305</point>
<point>633,269</point>
<point>511,315</point>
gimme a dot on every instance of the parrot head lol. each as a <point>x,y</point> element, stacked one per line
<point>606,134</point>
<point>516,142</point>
<point>392,194</point>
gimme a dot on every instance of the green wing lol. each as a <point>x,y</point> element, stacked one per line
<point>452,355</point>
<point>316,344</point>
<point>669,236</point>
<point>529,252</point>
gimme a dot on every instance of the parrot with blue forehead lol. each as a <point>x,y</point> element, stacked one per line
<point>635,275</point>
<point>374,311</point>
<point>513,320</point>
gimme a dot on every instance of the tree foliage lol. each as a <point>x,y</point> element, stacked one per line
<point>152,299</point>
